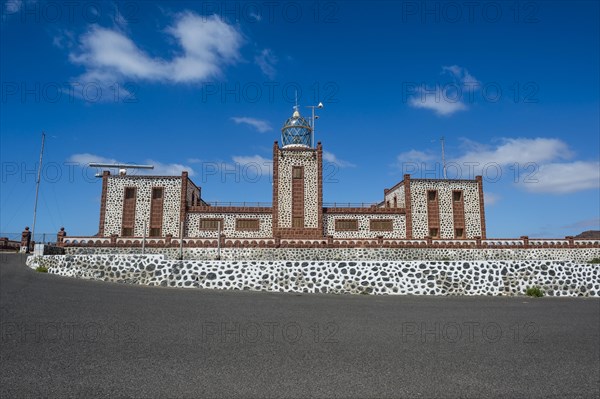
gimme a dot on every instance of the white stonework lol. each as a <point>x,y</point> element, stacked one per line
<point>418,194</point>
<point>555,278</point>
<point>229,223</point>
<point>398,194</point>
<point>364,226</point>
<point>287,160</point>
<point>116,193</point>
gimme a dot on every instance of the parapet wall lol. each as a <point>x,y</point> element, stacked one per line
<point>496,277</point>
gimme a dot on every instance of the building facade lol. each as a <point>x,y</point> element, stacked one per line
<point>163,206</point>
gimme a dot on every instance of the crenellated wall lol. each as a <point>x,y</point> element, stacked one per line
<point>502,277</point>
<point>582,254</point>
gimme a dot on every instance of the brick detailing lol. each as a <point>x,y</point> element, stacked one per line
<point>156,211</point>
<point>247,224</point>
<point>229,209</point>
<point>183,206</point>
<point>211,224</point>
<point>408,206</point>
<point>346,224</point>
<point>128,219</point>
<point>381,225</point>
<point>105,175</point>
<point>433,213</point>
<point>458,213</point>
<point>275,210</point>
<point>297,197</point>
<point>320,186</point>
<point>479,180</point>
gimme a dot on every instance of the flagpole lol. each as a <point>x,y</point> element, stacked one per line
<point>37,186</point>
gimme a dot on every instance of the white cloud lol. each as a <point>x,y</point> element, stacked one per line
<point>86,158</point>
<point>490,198</point>
<point>260,125</point>
<point>331,158</point>
<point>160,169</point>
<point>446,99</point>
<point>13,6</point>
<point>206,45</point>
<point>562,178</point>
<point>255,165</point>
<point>461,75</point>
<point>415,156</point>
<point>438,101</point>
<point>163,169</point>
<point>266,60</point>
<point>520,150</point>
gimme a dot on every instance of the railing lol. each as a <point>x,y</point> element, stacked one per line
<point>40,238</point>
<point>349,204</point>
<point>239,204</point>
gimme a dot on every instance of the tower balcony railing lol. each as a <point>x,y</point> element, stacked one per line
<point>239,204</point>
<point>350,204</point>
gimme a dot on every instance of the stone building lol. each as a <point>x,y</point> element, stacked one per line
<point>161,206</point>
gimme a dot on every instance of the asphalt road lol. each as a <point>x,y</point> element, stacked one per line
<point>65,337</point>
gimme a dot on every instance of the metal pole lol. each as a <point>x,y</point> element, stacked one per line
<point>443,157</point>
<point>181,242</point>
<point>313,126</point>
<point>219,241</point>
<point>144,239</point>
<point>37,187</point>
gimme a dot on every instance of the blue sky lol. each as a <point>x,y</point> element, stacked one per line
<point>205,86</point>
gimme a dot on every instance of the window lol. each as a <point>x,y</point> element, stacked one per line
<point>395,202</point>
<point>127,232</point>
<point>247,224</point>
<point>459,233</point>
<point>298,222</point>
<point>129,193</point>
<point>157,193</point>
<point>346,225</point>
<point>381,225</point>
<point>210,224</point>
<point>387,204</point>
<point>433,233</point>
<point>297,172</point>
<point>457,196</point>
<point>155,232</point>
<point>431,195</point>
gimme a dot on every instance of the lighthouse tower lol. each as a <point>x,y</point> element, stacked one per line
<point>297,181</point>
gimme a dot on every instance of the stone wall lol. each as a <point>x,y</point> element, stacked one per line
<point>364,229</point>
<point>556,278</point>
<point>228,225</point>
<point>389,254</point>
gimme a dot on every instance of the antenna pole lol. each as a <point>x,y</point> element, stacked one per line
<point>313,127</point>
<point>37,186</point>
<point>443,157</point>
